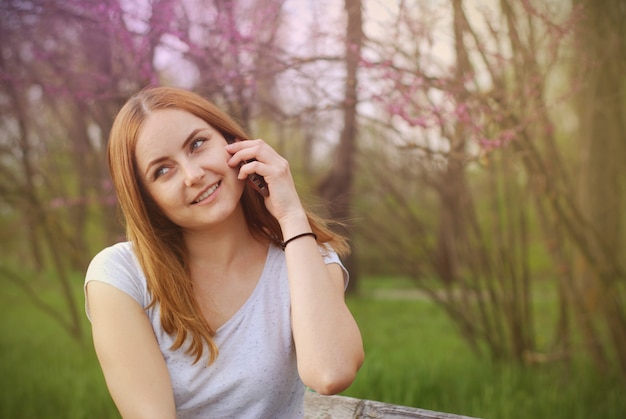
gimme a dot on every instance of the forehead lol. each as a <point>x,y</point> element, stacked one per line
<point>168,125</point>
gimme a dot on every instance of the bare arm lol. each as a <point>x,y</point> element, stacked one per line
<point>129,355</point>
<point>328,342</point>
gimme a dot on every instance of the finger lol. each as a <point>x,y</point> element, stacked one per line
<point>239,145</point>
<point>249,167</point>
<point>247,152</point>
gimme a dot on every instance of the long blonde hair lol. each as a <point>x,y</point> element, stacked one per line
<point>157,242</point>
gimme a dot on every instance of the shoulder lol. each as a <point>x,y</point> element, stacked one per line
<point>117,251</point>
<point>118,266</point>
<point>277,256</point>
<point>329,254</point>
<point>331,257</point>
<point>112,260</point>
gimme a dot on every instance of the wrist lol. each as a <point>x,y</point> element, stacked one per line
<point>294,223</point>
<point>296,237</point>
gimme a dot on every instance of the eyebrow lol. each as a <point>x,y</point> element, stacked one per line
<point>158,160</point>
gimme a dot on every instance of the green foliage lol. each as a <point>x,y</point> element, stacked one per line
<point>389,197</point>
<point>46,373</point>
<point>414,357</point>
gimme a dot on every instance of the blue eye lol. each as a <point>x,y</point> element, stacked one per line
<point>197,143</point>
<point>161,171</point>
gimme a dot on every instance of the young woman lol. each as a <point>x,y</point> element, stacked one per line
<point>224,302</point>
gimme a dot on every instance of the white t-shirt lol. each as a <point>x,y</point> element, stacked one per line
<point>255,373</point>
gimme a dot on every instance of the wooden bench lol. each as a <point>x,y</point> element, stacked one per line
<point>342,407</point>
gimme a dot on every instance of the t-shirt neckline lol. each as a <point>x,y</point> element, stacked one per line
<point>253,295</point>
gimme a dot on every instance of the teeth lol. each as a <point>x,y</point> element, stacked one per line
<point>207,193</point>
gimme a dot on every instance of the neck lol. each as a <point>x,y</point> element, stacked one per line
<point>223,245</point>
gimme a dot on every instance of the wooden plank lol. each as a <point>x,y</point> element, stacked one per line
<point>342,407</point>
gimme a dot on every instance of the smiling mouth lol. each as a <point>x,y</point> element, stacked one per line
<point>207,193</point>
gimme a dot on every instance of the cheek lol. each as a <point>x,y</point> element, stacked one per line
<point>162,195</point>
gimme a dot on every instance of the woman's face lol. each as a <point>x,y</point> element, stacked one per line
<point>182,162</point>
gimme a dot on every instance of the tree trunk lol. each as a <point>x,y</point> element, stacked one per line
<point>337,188</point>
<point>602,131</point>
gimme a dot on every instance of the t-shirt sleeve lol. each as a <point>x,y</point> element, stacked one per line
<point>330,256</point>
<point>117,266</point>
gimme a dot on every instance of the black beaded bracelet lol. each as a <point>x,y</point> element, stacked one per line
<point>286,242</point>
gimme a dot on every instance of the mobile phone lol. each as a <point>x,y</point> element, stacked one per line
<point>256,180</point>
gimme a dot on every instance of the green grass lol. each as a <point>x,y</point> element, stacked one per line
<point>414,357</point>
<point>44,372</point>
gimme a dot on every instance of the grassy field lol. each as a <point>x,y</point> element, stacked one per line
<point>414,358</point>
<point>44,373</point>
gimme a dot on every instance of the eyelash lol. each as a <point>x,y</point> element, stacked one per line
<point>202,140</point>
<point>193,147</point>
<point>158,172</point>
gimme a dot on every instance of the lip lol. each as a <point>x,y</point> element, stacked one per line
<point>215,186</point>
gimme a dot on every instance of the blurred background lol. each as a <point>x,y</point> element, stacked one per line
<point>473,150</point>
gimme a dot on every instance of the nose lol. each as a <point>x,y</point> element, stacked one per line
<point>193,173</point>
